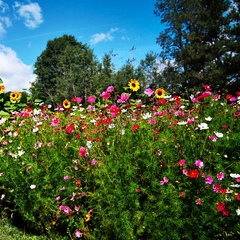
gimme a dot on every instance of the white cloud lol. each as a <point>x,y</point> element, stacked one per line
<point>99,37</point>
<point>3,6</point>
<point>31,13</point>
<point>15,74</point>
<point>5,22</point>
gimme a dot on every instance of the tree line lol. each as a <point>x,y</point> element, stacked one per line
<point>200,45</point>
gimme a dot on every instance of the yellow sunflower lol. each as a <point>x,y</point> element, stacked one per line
<point>2,88</point>
<point>134,85</point>
<point>15,96</point>
<point>159,93</point>
<point>66,103</point>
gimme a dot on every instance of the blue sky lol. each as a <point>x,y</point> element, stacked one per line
<point>107,25</point>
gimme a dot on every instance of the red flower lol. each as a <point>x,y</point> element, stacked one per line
<point>221,206</point>
<point>238,196</point>
<point>161,101</point>
<point>228,96</point>
<point>207,88</point>
<point>194,173</point>
<point>135,127</point>
<point>78,182</point>
<point>70,128</point>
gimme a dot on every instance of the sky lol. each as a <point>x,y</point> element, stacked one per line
<point>128,28</point>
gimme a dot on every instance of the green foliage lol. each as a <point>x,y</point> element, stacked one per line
<point>124,170</point>
<point>64,70</point>
<point>201,37</point>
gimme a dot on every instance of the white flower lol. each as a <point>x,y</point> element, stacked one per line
<point>234,175</point>
<point>209,119</point>
<point>122,132</point>
<point>218,134</point>
<point>181,123</point>
<point>111,125</point>
<point>203,126</point>
<point>2,120</point>
<point>2,197</point>
<point>20,152</point>
<point>33,186</point>
<point>89,144</point>
<point>235,185</point>
<point>238,211</point>
<point>146,115</point>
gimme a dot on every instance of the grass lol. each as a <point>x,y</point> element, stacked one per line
<point>10,232</point>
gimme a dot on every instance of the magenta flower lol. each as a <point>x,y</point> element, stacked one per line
<point>110,89</point>
<point>185,171</point>
<point>213,138</point>
<point>66,209</point>
<point>165,180</point>
<point>105,95</point>
<point>199,163</point>
<point>217,188</point>
<point>182,162</point>
<point>55,121</point>
<point>220,176</point>
<point>208,180</point>
<point>91,99</point>
<point>152,121</point>
<point>77,99</point>
<point>124,97</point>
<point>83,152</point>
<point>149,92</point>
<point>78,233</point>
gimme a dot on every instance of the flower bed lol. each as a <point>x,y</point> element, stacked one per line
<point>128,166</point>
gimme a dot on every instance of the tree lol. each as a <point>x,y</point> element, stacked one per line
<point>64,69</point>
<point>201,37</point>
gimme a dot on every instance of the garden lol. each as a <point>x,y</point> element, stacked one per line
<point>122,166</point>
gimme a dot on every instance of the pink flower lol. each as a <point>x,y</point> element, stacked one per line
<point>83,152</point>
<point>91,99</point>
<point>138,190</point>
<point>185,171</point>
<point>93,162</point>
<point>76,208</point>
<point>66,177</point>
<point>217,188</point>
<point>213,138</point>
<point>149,92</point>
<point>78,233</point>
<point>198,201</point>
<point>114,110</point>
<point>165,180</point>
<point>105,95</point>
<point>55,121</point>
<point>182,162</point>
<point>199,163</point>
<point>58,198</point>
<point>159,152</point>
<point>220,176</point>
<point>208,180</point>
<point>152,121</point>
<point>124,97</point>
<point>110,89</point>
<point>77,99</point>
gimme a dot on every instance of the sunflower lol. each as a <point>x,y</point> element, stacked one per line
<point>134,85</point>
<point>15,96</point>
<point>66,103</point>
<point>2,88</point>
<point>159,93</point>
